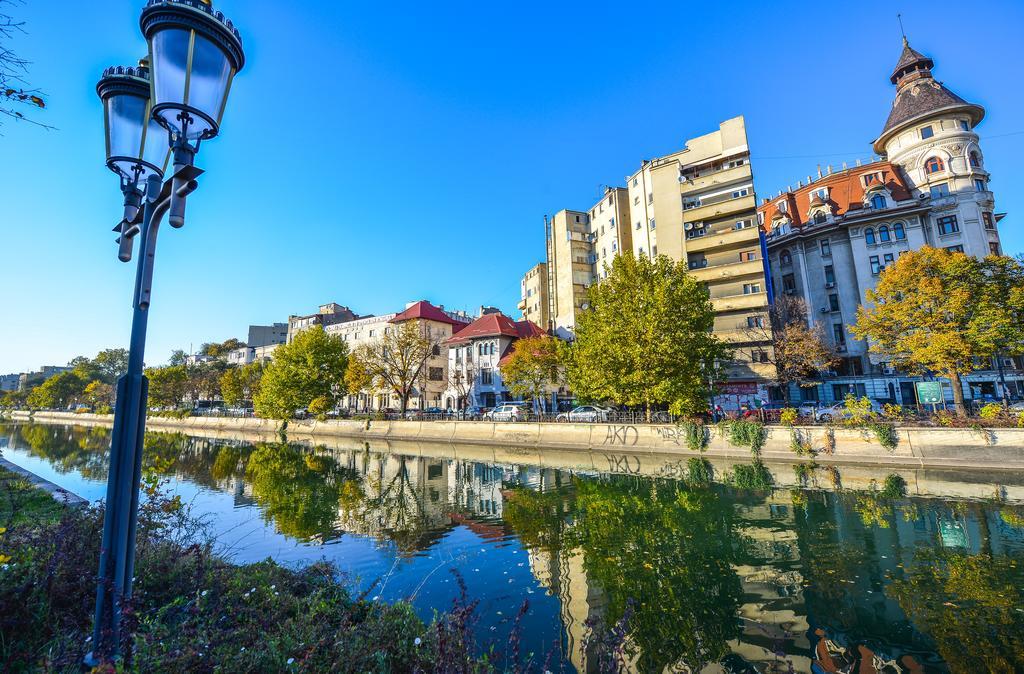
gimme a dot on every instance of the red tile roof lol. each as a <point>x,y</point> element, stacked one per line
<point>496,325</point>
<point>428,312</point>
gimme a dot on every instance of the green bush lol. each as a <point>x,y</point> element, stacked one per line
<point>697,435</point>
<point>885,433</point>
<point>991,411</point>
<point>753,476</point>
<point>788,416</point>
<point>699,471</point>
<point>800,445</point>
<point>805,471</point>
<point>894,486</point>
<point>744,433</point>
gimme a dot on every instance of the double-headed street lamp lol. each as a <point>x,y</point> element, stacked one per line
<point>155,113</point>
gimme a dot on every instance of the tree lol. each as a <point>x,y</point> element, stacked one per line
<point>799,351</point>
<point>13,399</point>
<point>59,390</point>
<point>111,364</point>
<point>1002,310</point>
<point>220,349</point>
<point>460,380</point>
<point>533,365</point>
<point>393,362</point>
<point>312,366</point>
<point>240,384</point>
<point>936,311</point>
<point>204,379</point>
<point>14,91</point>
<point>167,385</point>
<point>178,357</point>
<point>99,394</point>
<point>647,338</point>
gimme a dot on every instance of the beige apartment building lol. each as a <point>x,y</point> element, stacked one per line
<point>696,205</point>
<point>534,295</point>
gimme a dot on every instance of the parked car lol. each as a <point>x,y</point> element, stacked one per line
<point>508,412</point>
<point>584,413</point>
<point>809,408</point>
<point>471,413</point>
<point>839,411</point>
<point>426,413</point>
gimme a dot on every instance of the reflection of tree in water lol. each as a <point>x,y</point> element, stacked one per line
<point>970,605</point>
<point>69,448</point>
<point>389,507</point>
<point>668,552</point>
<point>298,490</point>
<point>539,518</point>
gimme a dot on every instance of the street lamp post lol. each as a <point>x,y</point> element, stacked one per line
<point>157,112</point>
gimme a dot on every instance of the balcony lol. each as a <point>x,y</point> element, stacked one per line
<point>522,305</point>
<point>730,270</point>
<point>714,179</point>
<point>739,302</point>
<point>723,239</point>
<point>720,209</point>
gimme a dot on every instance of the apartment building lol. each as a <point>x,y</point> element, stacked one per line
<point>533,289</point>
<point>831,237</point>
<point>326,315</point>
<point>262,335</point>
<point>695,205</point>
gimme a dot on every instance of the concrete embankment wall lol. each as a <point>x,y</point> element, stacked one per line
<point>991,449</point>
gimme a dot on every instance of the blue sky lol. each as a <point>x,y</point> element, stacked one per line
<point>376,153</point>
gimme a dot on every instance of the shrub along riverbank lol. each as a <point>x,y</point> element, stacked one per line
<point>192,610</point>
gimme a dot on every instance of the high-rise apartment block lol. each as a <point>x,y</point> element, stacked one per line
<point>696,206</point>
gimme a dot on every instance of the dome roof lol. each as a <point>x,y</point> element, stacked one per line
<point>918,95</point>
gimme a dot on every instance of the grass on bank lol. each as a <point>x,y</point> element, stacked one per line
<point>193,611</point>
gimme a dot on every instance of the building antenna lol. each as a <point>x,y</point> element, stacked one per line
<point>899,17</point>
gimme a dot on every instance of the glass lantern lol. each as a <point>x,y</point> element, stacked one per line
<point>136,145</point>
<point>195,52</point>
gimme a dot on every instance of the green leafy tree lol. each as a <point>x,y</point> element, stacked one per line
<point>646,339</point>
<point>99,394</point>
<point>167,385</point>
<point>178,357</point>
<point>204,379</point>
<point>240,384</point>
<point>532,367</point>
<point>111,364</point>
<point>937,311</point>
<point>311,366</point>
<point>13,399</point>
<point>59,390</point>
<point>220,349</point>
<point>393,362</point>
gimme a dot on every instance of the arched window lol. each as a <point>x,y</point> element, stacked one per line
<point>869,236</point>
<point>883,233</point>
<point>878,201</point>
<point>785,258</point>
<point>819,217</point>
<point>898,231</point>
<point>975,159</point>
<point>934,165</point>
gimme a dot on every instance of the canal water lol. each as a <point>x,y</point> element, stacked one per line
<point>698,578</point>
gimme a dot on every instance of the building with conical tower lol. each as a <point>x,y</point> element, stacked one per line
<point>831,236</point>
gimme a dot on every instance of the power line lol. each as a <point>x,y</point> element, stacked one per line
<point>856,153</point>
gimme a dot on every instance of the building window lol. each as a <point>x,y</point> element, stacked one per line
<point>653,224</point>
<point>751,288</point>
<point>974,159</point>
<point>634,182</point>
<point>869,236</point>
<point>830,274</point>
<point>986,217</point>
<point>874,264</point>
<point>785,259</point>
<point>789,283</point>
<point>611,224</point>
<point>833,302</point>
<point>740,193</point>
<point>898,231</point>
<point>744,224</point>
<point>755,321</point>
<point>979,185</point>
<point>748,256</point>
<point>955,249</point>
<point>939,191</point>
<point>878,201</point>
<point>886,260</point>
<point>485,376</point>
<point>993,248</point>
<point>965,125</point>
<point>650,197</point>
<point>615,246</point>
<point>927,132</point>
<point>838,333</point>
<point>826,248</point>
<point>883,233</point>
<point>654,251</point>
<point>435,374</point>
<point>758,356</point>
<point>638,224</point>
<point>436,350</point>
<point>934,165</point>
<point>948,224</point>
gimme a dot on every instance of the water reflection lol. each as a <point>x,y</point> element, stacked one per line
<point>698,579</point>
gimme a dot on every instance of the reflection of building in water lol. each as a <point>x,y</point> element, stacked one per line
<point>475,488</point>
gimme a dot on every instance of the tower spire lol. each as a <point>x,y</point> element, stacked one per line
<point>899,17</point>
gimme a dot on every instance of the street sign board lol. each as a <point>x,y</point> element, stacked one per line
<point>929,392</point>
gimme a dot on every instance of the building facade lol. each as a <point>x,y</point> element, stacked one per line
<point>327,315</point>
<point>533,293</point>
<point>263,335</point>
<point>831,237</point>
<point>696,206</point>
<point>475,354</point>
